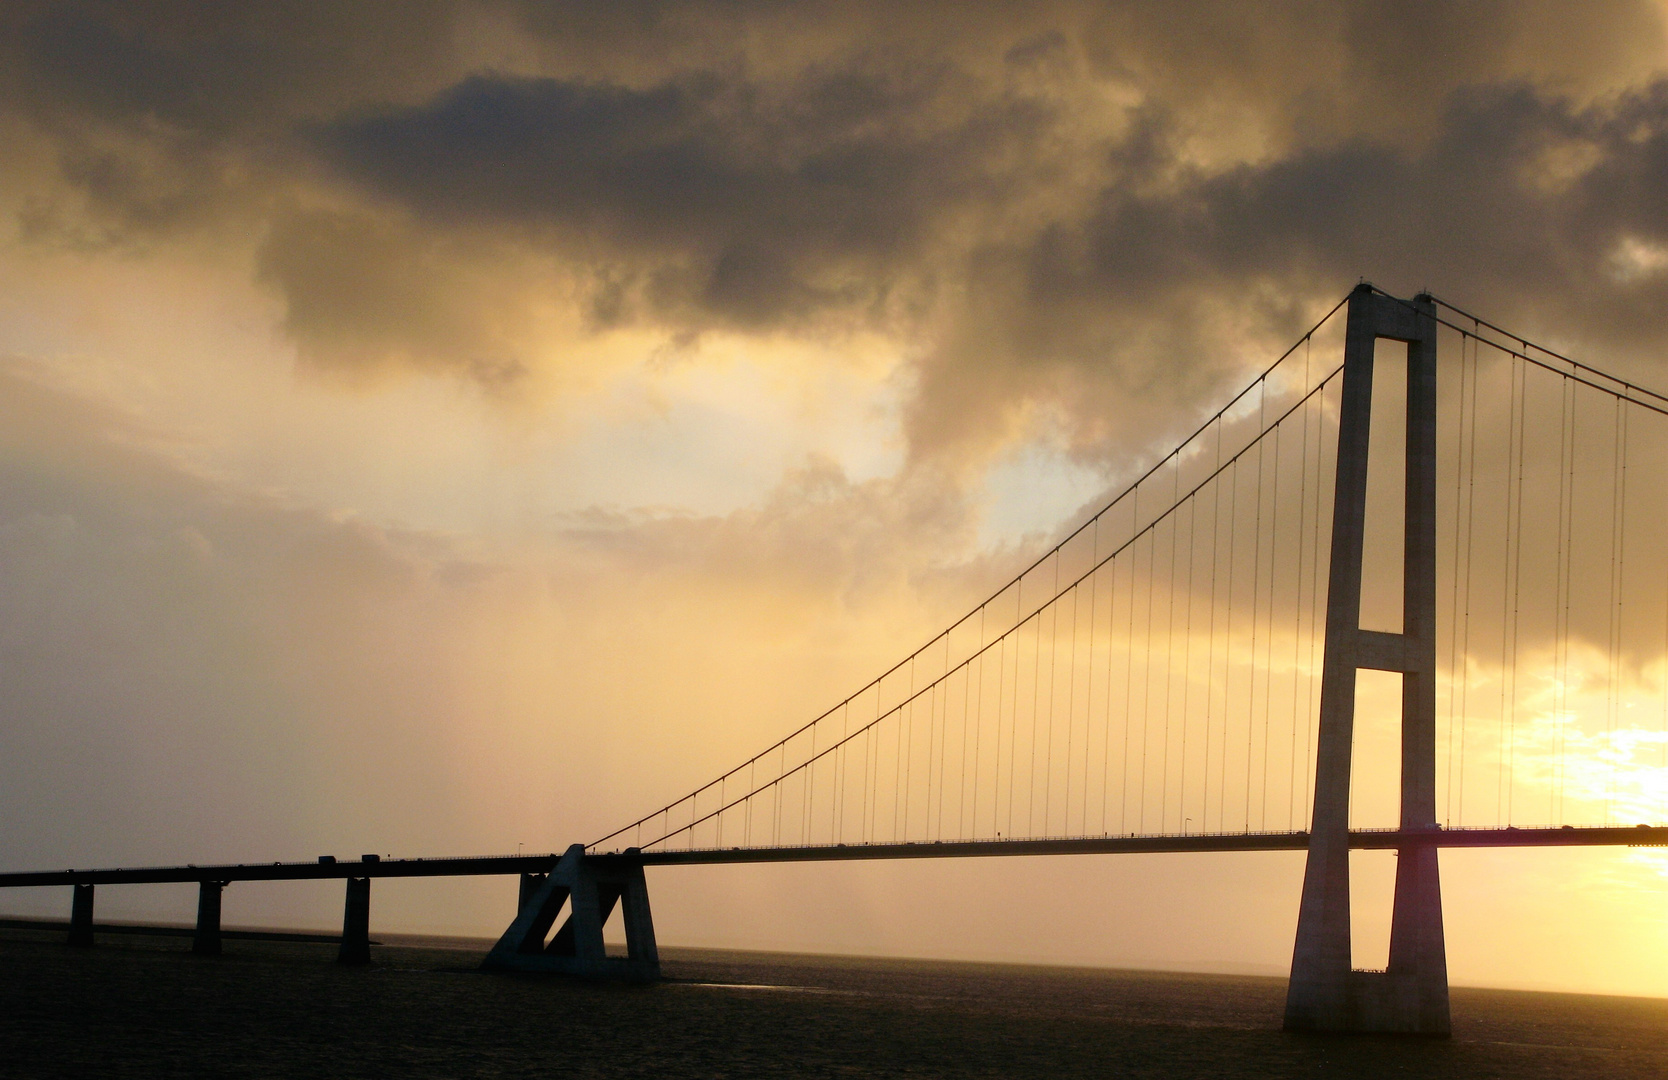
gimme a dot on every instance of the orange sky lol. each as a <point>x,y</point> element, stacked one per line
<point>466,428</point>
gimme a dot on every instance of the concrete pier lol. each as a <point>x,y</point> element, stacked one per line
<point>1411,996</point>
<point>356,923</point>
<point>206,940</point>
<point>81,917</point>
<point>589,887</point>
<point>530,884</point>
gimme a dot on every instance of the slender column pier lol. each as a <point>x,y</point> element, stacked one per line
<point>356,923</point>
<point>206,941</point>
<point>1325,994</point>
<point>81,917</point>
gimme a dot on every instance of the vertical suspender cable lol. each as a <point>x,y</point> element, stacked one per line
<point>1510,538</point>
<point>1089,690</point>
<point>1566,492</point>
<point>1618,594</point>
<point>1210,654</point>
<point>1106,735</point>
<point>1187,656</point>
<point>944,735</point>
<point>1256,602</point>
<point>1470,537</point>
<point>1455,660</point>
<point>1228,646</point>
<point>1268,647</point>
<point>1130,660</point>
<point>1053,661</point>
<point>1169,650</point>
<point>900,788</point>
<point>1151,544</point>
<point>1071,705</point>
<point>1013,720</point>
<point>1517,577</point>
<point>978,730</point>
<point>1297,607</point>
<point>1036,714</point>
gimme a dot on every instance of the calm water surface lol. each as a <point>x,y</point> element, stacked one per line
<point>143,1007</point>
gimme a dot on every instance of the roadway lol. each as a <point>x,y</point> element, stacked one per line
<point>491,865</point>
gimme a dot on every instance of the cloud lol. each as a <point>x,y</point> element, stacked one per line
<point>1069,217</point>
<point>1177,275</point>
<point>750,206</point>
<point>364,292</point>
<point>1149,258</point>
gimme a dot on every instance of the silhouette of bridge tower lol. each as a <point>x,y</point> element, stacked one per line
<point>1412,994</point>
<point>1179,674</point>
<point>1325,993</point>
<point>1014,732</point>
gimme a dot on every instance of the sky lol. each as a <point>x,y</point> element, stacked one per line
<point>462,427</point>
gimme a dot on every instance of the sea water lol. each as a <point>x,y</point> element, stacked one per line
<point>135,1007</point>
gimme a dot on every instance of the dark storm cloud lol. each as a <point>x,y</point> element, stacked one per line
<point>160,117</point>
<point>1518,203</point>
<point>1062,209</point>
<point>761,207</point>
<point>218,69</point>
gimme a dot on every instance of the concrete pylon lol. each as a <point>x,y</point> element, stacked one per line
<point>590,885</point>
<point>81,917</point>
<point>206,940</point>
<point>1411,996</point>
<point>356,923</point>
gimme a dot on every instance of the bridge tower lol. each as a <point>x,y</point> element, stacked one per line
<point>1411,995</point>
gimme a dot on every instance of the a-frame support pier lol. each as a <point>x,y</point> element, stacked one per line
<point>589,886</point>
<point>1411,996</point>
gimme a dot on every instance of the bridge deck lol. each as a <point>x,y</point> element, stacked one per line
<point>473,866</point>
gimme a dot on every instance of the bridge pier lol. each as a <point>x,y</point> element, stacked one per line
<point>81,917</point>
<point>356,923</point>
<point>588,886</point>
<point>1411,996</point>
<point>206,940</point>
<point>529,886</point>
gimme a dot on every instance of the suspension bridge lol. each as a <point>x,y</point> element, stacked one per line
<point>1377,601</point>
